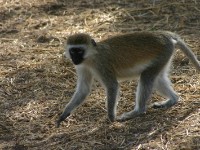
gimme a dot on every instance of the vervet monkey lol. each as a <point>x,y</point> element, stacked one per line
<point>146,55</point>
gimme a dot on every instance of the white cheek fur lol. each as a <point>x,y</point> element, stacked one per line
<point>66,54</point>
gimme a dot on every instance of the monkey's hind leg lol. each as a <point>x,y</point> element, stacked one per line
<point>163,86</point>
<point>112,96</point>
<point>144,90</point>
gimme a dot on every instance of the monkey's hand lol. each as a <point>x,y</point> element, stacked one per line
<point>62,118</point>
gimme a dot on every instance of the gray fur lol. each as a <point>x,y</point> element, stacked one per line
<point>82,90</point>
<point>146,55</point>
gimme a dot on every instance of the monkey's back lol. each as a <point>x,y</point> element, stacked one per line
<point>127,52</point>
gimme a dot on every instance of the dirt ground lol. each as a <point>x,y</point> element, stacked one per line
<point>36,82</point>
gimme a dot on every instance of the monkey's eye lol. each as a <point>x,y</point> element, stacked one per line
<point>71,51</point>
<point>78,51</point>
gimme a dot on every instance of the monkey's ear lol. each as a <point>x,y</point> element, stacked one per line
<point>93,42</point>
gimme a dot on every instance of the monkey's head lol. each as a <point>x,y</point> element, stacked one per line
<point>79,47</point>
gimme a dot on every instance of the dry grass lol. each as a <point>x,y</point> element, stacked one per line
<point>36,83</point>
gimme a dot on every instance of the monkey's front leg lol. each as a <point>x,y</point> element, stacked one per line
<point>76,100</point>
<point>83,88</point>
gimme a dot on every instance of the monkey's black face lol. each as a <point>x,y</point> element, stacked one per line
<point>76,54</point>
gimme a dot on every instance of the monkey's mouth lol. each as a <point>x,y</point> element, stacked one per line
<point>77,61</point>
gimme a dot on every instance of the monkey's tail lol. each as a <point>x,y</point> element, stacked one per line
<point>186,50</point>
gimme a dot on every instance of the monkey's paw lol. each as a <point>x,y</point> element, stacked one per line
<point>61,118</point>
<point>125,116</point>
<point>129,115</point>
<point>58,122</point>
